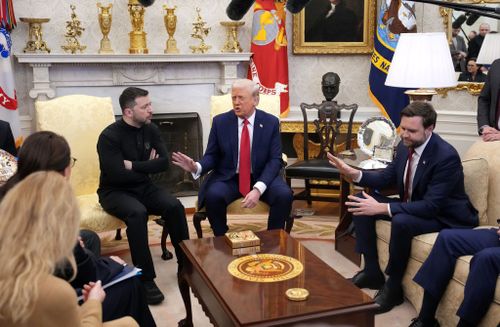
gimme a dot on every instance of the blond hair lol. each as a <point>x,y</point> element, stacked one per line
<point>38,229</point>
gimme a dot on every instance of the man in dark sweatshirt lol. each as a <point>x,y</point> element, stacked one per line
<point>129,150</point>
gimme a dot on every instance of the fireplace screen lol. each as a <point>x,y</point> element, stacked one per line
<point>181,132</point>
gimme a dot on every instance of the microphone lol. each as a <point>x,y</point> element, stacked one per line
<point>295,6</point>
<point>472,19</point>
<point>146,3</point>
<point>238,8</point>
<point>459,21</point>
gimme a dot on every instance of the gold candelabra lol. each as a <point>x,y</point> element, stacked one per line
<point>170,20</point>
<point>137,36</point>
<point>35,37</point>
<point>232,44</point>
<point>200,32</point>
<point>73,32</point>
<point>105,18</point>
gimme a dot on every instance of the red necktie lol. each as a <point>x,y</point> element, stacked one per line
<point>408,176</point>
<point>244,176</point>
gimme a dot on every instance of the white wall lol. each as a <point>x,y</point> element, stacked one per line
<point>305,70</point>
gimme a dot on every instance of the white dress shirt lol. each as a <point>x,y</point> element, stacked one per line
<point>260,186</point>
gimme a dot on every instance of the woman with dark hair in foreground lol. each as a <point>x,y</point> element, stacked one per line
<point>42,225</point>
<point>48,151</point>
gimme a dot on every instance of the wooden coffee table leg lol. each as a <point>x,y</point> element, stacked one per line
<point>345,242</point>
<point>186,298</point>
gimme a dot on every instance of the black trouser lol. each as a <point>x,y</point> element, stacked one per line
<point>91,241</point>
<point>133,207</point>
<point>127,298</point>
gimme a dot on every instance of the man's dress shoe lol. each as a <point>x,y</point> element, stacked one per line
<point>388,298</point>
<point>153,293</point>
<point>416,322</point>
<point>363,280</point>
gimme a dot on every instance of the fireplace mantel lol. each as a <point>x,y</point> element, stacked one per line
<point>40,58</point>
<point>177,83</point>
<point>125,69</point>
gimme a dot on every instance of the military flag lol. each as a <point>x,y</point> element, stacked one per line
<point>269,63</point>
<point>8,100</point>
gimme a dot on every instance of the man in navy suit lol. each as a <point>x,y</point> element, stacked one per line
<point>439,266</point>
<point>432,197</point>
<point>254,175</point>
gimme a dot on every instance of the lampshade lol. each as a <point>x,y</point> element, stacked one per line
<point>490,49</point>
<point>422,60</point>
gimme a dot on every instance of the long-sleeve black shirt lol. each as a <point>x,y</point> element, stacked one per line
<point>121,141</point>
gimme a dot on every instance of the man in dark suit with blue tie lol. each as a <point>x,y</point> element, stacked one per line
<point>429,176</point>
<point>244,157</point>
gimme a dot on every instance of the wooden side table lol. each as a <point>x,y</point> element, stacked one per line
<point>345,239</point>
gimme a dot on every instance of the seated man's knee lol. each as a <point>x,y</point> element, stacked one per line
<point>446,235</point>
<point>175,205</point>
<point>214,195</point>
<point>486,257</point>
<point>137,214</point>
<point>284,195</point>
<point>398,222</point>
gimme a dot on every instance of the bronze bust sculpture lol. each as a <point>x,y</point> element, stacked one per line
<point>330,83</point>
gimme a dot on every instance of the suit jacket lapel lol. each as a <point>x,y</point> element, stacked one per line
<point>233,137</point>
<point>257,135</point>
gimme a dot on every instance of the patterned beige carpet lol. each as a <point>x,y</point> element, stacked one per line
<point>310,227</point>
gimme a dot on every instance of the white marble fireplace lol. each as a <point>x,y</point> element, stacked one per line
<point>177,83</point>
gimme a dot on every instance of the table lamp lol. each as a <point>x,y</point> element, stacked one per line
<point>422,61</point>
<point>490,49</point>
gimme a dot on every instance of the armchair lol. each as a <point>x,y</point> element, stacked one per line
<point>218,105</point>
<point>329,130</point>
<point>80,119</point>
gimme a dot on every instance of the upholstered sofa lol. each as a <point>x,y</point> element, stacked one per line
<point>482,183</point>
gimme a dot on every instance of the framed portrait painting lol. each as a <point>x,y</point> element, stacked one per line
<point>335,26</point>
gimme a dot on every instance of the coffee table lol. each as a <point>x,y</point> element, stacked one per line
<point>229,301</point>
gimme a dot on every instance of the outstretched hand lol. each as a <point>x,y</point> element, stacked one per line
<point>185,162</point>
<point>343,168</point>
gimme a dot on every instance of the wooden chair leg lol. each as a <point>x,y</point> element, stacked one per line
<point>197,218</point>
<point>308,192</point>
<point>186,298</point>
<point>165,253</point>
<point>118,235</point>
<point>289,223</point>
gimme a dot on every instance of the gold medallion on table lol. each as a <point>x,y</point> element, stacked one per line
<point>265,268</point>
<point>297,294</point>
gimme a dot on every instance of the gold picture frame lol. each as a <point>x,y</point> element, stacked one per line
<point>357,40</point>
